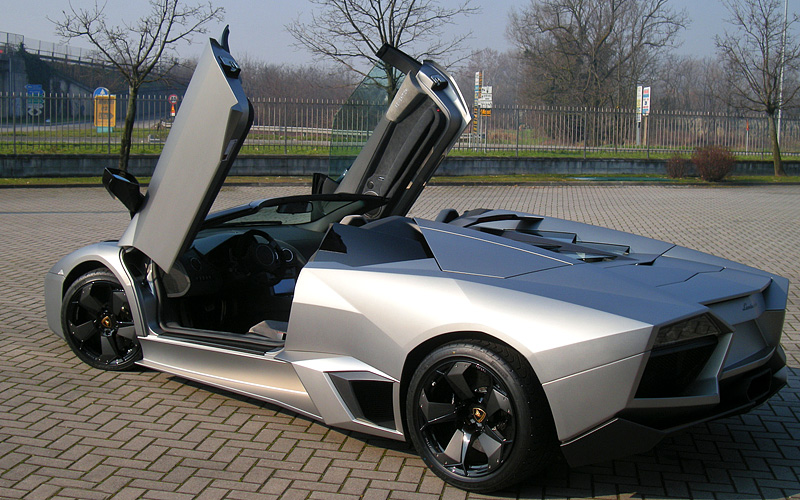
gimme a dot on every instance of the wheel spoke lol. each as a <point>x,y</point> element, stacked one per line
<point>84,331</point>
<point>88,301</point>
<point>492,448</point>
<point>456,449</point>
<point>496,401</point>
<point>118,300</point>
<point>497,435</point>
<point>109,351</point>
<point>458,382</point>
<point>435,413</point>
<point>128,332</point>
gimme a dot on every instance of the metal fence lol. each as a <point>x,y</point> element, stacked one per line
<point>68,124</point>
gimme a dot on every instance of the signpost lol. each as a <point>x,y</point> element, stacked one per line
<point>485,101</point>
<point>646,114</point>
<point>638,115</point>
<point>482,106</point>
<point>34,99</point>
<point>638,103</point>
<point>478,84</point>
<point>105,110</point>
<point>173,100</point>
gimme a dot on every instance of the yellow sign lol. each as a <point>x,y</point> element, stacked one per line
<point>105,112</point>
<point>486,111</point>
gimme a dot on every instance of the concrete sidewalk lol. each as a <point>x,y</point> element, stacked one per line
<point>70,431</point>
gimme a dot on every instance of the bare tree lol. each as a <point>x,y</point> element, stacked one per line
<point>351,31</point>
<point>591,52</point>
<point>500,70</point>
<point>754,56</point>
<point>137,49</point>
<point>295,82</point>
<point>689,83</point>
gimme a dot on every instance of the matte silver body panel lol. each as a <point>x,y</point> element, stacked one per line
<point>582,305</point>
<point>99,255</point>
<point>585,330</point>
<point>259,376</point>
<point>203,141</point>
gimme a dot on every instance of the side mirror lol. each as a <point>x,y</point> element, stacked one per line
<point>322,184</point>
<point>124,187</point>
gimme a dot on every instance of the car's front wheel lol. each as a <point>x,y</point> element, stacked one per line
<point>478,416</point>
<point>97,322</point>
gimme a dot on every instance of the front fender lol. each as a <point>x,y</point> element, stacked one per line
<point>71,267</point>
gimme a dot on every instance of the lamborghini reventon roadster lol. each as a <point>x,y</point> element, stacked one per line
<point>490,339</point>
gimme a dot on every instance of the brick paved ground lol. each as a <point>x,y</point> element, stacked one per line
<point>69,431</point>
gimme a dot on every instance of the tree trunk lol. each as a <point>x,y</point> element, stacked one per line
<point>391,82</point>
<point>127,132</point>
<point>776,148</point>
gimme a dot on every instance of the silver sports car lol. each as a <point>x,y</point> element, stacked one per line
<point>489,339</point>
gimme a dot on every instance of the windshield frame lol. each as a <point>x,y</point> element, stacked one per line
<point>227,217</point>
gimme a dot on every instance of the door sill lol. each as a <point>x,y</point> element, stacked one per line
<point>244,342</point>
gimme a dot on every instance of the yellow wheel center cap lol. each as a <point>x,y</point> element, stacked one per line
<point>106,322</point>
<point>479,414</point>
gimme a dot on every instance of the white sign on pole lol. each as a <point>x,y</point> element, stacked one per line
<point>485,100</point>
<point>638,103</point>
<point>646,101</point>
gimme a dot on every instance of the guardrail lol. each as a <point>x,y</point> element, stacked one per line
<point>41,124</point>
<point>52,51</point>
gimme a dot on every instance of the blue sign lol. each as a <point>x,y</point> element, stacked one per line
<point>35,99</point>
<point>100,91</point>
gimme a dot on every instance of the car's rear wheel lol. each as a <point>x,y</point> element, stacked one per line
<point>97,322</point>
<point>478,416</point>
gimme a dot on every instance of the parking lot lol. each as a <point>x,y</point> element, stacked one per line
<point>70,431</point>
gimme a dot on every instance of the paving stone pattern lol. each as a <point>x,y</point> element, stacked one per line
<point>70,431</point>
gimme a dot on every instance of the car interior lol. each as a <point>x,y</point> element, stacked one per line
<point>235,282</point>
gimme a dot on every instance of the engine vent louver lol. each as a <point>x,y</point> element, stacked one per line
<point>562,243</point>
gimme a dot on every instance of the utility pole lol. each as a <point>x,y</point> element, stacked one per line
<point>783,66</point>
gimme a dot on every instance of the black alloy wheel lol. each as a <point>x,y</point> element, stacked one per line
<point>478,416</point>
<point>97,322</point>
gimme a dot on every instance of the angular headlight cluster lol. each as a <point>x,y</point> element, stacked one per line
<point>692,328</point>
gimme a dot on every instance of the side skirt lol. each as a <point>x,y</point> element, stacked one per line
<point>259,376</point>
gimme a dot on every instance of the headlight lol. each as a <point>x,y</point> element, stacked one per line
<point>692,328</point>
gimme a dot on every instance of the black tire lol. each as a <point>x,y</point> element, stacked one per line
<point>97,322</point>
<point>478,416</point>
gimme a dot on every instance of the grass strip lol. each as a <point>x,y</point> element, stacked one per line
<point>440,180</point>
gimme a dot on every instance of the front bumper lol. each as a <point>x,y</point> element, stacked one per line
<point>638,430</point>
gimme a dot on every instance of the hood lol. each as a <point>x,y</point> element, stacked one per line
<point>206,136</point>
<point>587,264</point>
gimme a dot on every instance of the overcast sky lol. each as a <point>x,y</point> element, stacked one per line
<point>257,26</point>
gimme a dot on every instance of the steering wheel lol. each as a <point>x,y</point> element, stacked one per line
<point>256,256</point>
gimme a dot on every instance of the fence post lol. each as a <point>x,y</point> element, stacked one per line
<point>108,131</point>
<point>516,112</point>
<point>285,127</point>
<point>14,120</point>
<point>585,128</point>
